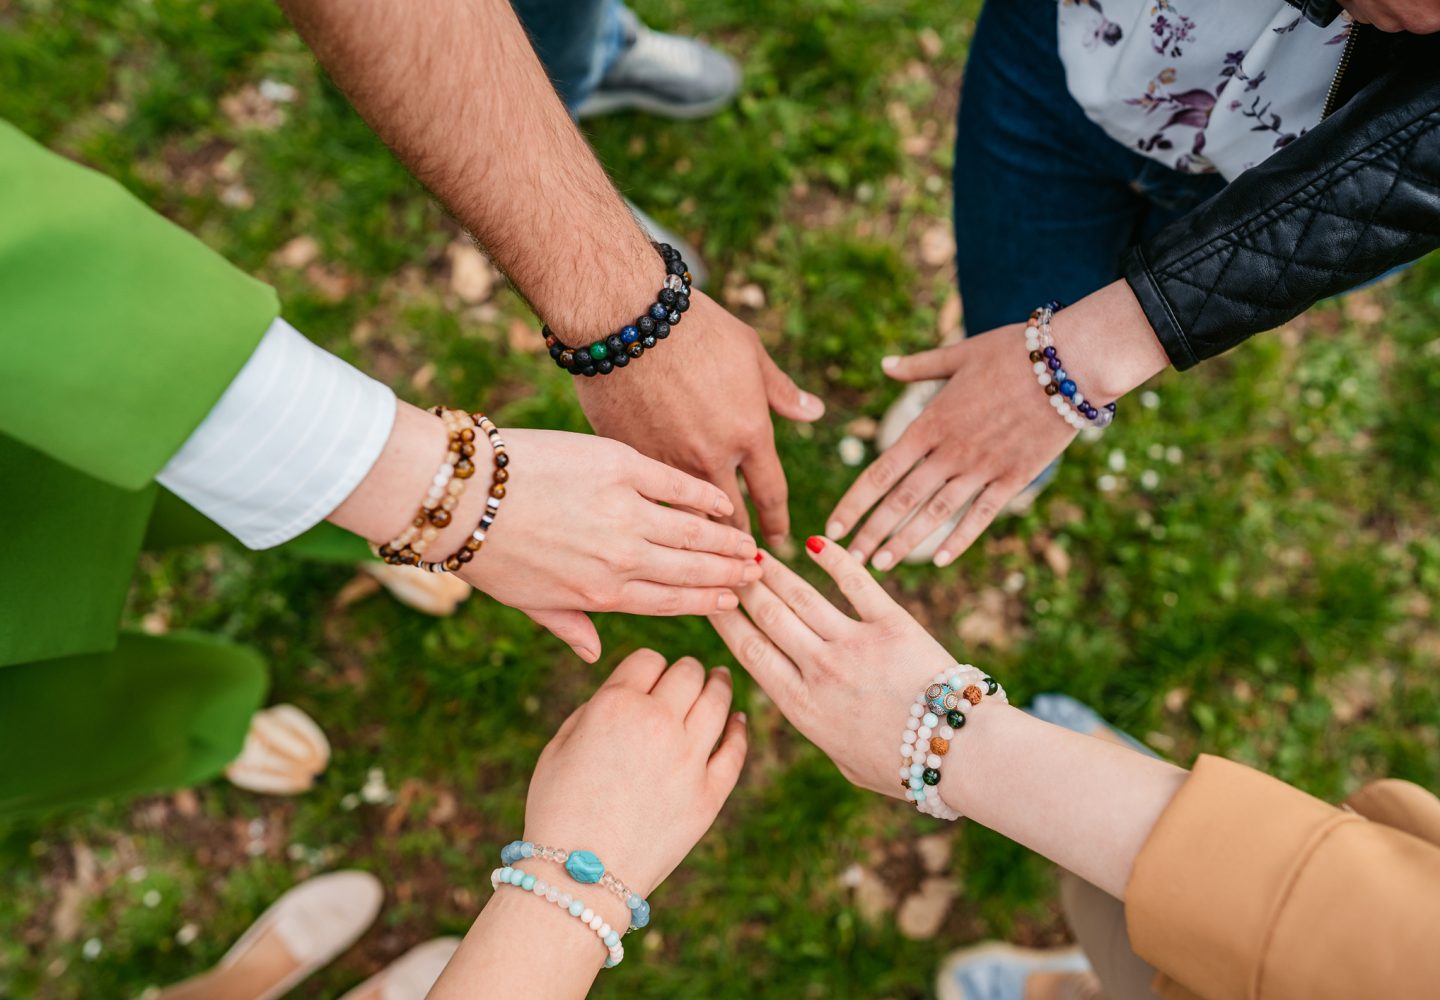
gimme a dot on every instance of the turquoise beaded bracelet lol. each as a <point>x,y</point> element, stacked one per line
<point>584,867</point>
<point>525,882</point>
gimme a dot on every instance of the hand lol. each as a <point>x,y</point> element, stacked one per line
<point>1420,17</point>
<point>980,441</point>
<point>639,772</point>
<point>701,403</point>
<point>989,432</point>
<point>846,684</point>
<point>582,529</point>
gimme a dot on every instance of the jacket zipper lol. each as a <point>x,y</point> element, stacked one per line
<point>1334,94</point>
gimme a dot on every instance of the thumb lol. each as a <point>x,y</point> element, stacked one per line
<point>785,396</point>
<point>939,363</point>
<point>573,628</point>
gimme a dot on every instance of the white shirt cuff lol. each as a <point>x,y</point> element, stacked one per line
<point>292,437</point>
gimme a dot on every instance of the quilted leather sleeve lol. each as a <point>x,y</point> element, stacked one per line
<point>1322,12</point>
<point>1356,196</point>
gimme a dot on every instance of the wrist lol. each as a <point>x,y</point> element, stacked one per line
<point>609,906</point>
<point>1108,343</point>
<point>602,291</point>
<point>990,724</point>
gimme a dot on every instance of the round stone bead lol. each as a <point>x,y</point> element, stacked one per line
<point>555,351</point>
<point>1054,364</point>
<point>528,882</point>
<point>658,312</point>
<point>640,914</point>
<point>929,720</point>
<point>629,335</point>
<point>915,783</point>
<point>577,908</point>
<point>955,720</point>
<point>598,350</point>
<point>917,710</point>
<point>991,685</point>
<point>611,940</point>
<point>604,366</point>
<point>916,770</point>
<point>1051,389</point>
<point>672,317</point>
<point>1049,352</point>
<point>619,361</point>
<point>922,735</point>
<point>933,761</point>
<point>662,330</point>
<point>682,303</point>
<point>1067,388</point>
<point>637,349</point>
<point>945,732</point>
<point>931,776</point>
<point>614,344</point>
<point>667,296</point>
<point>588,371</point>
<point>1037,357</point>
<point>676,267</point>
<point>647,342</point>
<point>527,849</point>
<point>645,324</point>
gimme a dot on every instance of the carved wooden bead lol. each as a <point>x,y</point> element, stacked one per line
<point>971,694</point>
<point>939,746</point>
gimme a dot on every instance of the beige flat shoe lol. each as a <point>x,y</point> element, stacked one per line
<point>410,976</point>
<point>437,594</point>
<point>284,752</point>
<point>315,922</point>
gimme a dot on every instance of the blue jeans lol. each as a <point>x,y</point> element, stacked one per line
<point>1046,203</point>
<point>577,40</point>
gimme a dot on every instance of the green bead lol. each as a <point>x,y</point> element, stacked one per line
<point>598,351</point>
<point>991,685</point>
<point>955,719</point>
<point>931,776</point>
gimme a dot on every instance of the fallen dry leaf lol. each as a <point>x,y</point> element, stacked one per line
<point>922,913</point>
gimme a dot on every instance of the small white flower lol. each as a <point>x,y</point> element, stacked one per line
<point>280,93</point>
<point>1149,479</point>
<point>1106,483</point>
<point>349,802</point>
<point>151,899</point>
<point>1116,461</point>
<point>91,949</point>
<point>1173,455</point>
<point>137,873</point>
<point>1155,452</point>
<point>1015,582</point>
<point>186,934</point>
<point>852,450</point>
<point>1149,399</point>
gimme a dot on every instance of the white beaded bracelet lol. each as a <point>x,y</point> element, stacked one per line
<point>526,882</point>
<point>935,715</point>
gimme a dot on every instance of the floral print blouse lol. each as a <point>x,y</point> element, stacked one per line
<point>1203,86</point>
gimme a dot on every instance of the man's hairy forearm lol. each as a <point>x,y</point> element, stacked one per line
<point>454,88</point>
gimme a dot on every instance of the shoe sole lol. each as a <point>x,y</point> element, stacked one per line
<point>607,104</point>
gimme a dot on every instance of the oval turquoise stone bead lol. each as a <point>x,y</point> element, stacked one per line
<point>584,866</point>
<point>640,914</point>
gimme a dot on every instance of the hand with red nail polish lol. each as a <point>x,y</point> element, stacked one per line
<point>845,683</point>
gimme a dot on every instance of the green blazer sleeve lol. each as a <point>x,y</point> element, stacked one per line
<point>118,330</point>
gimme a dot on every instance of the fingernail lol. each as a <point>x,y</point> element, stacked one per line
<point>882,560</point>
<point>742,717</point>
<point>777,541</point>
<point>889,362</point>
<point>724,507</point>
<point>942,558</point>
<point>723,671</point>
<point>758,557</point>
<point>835,530</point>
<point>586,654</point>
<point>728,602</point>
<point>814,543</point>
<point>857,555</point>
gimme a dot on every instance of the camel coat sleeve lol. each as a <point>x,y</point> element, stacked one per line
<point>1248,888</point>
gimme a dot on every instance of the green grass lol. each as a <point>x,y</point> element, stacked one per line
<point>1259,580</point>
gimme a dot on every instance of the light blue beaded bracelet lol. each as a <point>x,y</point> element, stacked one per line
<point>609,937</point>
<point>584,867</point>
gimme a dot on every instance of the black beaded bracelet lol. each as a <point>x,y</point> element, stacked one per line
<point>617,350</point>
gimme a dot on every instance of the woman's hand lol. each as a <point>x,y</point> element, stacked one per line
<point>845,684</point>
<point>989,432</point>
<point>582,528</point>
<point>639,772</point>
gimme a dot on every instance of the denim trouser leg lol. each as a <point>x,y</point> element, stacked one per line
<point>1045,202</point>
<point>577,40</point>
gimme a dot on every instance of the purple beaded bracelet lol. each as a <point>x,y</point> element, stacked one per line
<point>1065,396</point>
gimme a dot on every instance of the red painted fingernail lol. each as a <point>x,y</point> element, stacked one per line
<point>815,543</point>
<point>758,556</point>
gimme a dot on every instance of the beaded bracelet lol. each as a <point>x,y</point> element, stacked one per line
<point>445,489</point>
<point>1065,395</point>
<point>584,867</point>
<point>630,342</point>
<point>937,713</point>
<point>462,447</point>
<point>575,907</point>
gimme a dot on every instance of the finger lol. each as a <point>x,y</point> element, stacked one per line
<point>784,396</point>
<point>729,757</point>
<point>783,627</point>
<point>777,676</point>
<point>681,530</point>
<point>707,716</point>
<point>639,671</point>
<point>642,597</point>
<point>728,482</point>
<point>991,500</point>
<point>658,481</point>
<point>875,482</point>
<point>907,498</point>
<point>866,596</point>
<point>574,628</point>
<point>679,568</point>
<point>823,618</point>
<point>940,508</point>
<point>939,363</point>
<point>679,686</point>
<point>765,480</point>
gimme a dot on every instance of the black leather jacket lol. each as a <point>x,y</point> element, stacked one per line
<point>1354,197</point>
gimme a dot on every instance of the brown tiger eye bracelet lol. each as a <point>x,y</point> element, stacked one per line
<point>498,478</point>
<point>443,496</point>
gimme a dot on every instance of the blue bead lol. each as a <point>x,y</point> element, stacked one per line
<point>1049,352</point>
<point>920,795</point>
<point>584,866</point>
<point>1067,388</point>
<point>611,961</point>
<point>611,939</point>
<point>527,850</point>
<point>1054,364</point>
<point>916,783</point>
<point>629,335</point>
<point>577,908</point>
<point>527,883</point>
<point>633,900</point>
<point>1061,375</point>
<point>657,311</point>
<point>640,915</point>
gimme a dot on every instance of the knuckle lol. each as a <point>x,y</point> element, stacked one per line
<point>881,473</point>
<point>669,604</point>
<point>768,617</point>
<point>985,509</point>
<point>940,507</point>
<point>693,537</point>
<point>853,583</point>
<point>755,651</point>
